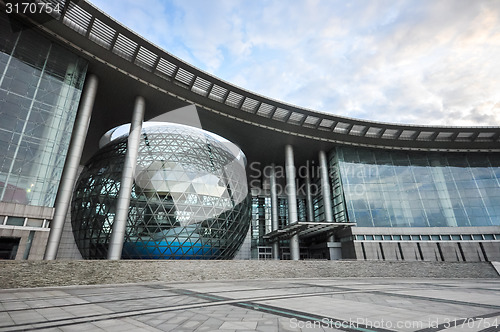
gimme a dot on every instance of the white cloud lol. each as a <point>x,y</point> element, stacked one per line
<point>431,62</point>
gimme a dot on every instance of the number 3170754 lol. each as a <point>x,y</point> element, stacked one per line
<point>31,8</point>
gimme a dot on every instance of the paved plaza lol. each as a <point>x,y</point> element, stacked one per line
<point>348,304</point>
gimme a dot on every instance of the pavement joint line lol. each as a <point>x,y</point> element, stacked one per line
<point>215,300</point>
<point>67,295</point>
<point>107,316</point>
<point>89,303</point>
<point>152,287</point>
<point>131,313</point>
<point>460,322</point>
<point>490,329</point>
<point>86,303</point>
<point>173,290</point>
<point>434,299</point>
<point>304,316</point>
<point>302,286</point>
<point>458,286</point>
<point>416,297</point>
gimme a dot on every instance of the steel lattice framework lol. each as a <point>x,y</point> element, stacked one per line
<point>190,198</point>
<point>81,25</point>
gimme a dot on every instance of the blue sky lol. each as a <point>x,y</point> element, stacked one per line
<point>420,62</point>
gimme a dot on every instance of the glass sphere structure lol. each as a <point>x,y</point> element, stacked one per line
<point>190,198</point>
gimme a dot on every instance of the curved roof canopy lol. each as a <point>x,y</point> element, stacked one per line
<point>107,43</point>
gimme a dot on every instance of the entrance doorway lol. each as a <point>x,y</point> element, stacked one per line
<point>8,247</point>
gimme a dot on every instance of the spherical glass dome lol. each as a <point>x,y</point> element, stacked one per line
<point>190,198</point>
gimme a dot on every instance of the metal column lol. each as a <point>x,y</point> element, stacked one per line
<point>70,170</point>
<point>274,210</point>
<point>127,180</point>
<point>325,187</point>
<point>291,192</point>
<point>327,204</point>
<point>309,202</point>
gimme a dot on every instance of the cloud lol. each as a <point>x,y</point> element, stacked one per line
<point>431,62</point>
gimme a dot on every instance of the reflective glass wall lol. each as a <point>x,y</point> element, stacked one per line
<point>261,219</point>
<point>40,86</point>
<point>190,198</point>
<point>261,216</point>
<point>409,189</point>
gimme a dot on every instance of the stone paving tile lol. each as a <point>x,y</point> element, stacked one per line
<point>409,304</point>
<point>53,313</point>
<point>82,327</point>
<point>5,319</point>
<point>24,317</point>
<point>9,306</point>
<point>395,300</point>
<point>456,295</point>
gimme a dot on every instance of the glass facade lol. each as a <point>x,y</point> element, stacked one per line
<point>190,198</point>
<point>261,219</point>
<point>412,189</point>
<point>40,87</point>
<point>261,216</point>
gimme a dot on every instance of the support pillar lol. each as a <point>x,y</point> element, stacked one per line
<point>274,211</point>
<point>334,248</point>
<point>127,180</point>
<point>325,187</point>
<point>71,164</point>
<point>291,192</point>
<point>309,201</point>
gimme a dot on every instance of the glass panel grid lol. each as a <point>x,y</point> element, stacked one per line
<point>403,189</point>
<point>190,198</point>
<point>40,87</point>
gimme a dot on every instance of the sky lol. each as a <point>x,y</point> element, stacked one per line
<point>416,62</point>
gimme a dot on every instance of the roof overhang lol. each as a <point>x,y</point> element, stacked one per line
<point>128,65</point>
<point>305,229</point>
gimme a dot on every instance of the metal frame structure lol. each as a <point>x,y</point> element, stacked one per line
<point>94,34</point>
<point>128,65</point>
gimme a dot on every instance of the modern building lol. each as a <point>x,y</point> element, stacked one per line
<point>315,186</point>
<point>189,197</point>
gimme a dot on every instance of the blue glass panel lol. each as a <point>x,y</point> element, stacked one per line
<point>420,189</point>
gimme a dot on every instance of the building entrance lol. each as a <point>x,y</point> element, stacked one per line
<point>8,247</point>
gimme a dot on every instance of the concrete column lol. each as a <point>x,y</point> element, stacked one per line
<point>291,192</point>
<point>127,180</point>
<point>70,170</point>
<point>274,210</point>
<point>309,201</point>
<point>333,248</point>
<point>325,187</point>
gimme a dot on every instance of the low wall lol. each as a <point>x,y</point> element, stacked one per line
<point>80,272</point>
